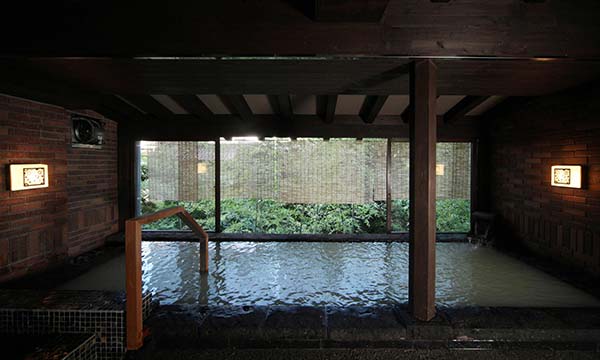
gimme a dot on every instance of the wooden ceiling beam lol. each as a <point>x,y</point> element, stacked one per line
<point>20,79</point>
<point>187,127</point>
<point>149,105</point>
<point>119,109</point>
<point>349,10</point>
<point>326,107</point>
<point>463,107</point>
<point>45,88</point>
<point>237,105</point>
<point>193,105</point>
<point>407,114</point>
<point>364,76</point>
<point>371,108</point>
<point>282,106</point>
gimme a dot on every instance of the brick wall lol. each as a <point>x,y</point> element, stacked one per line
<point>527,137</point>
<point>92,193</point>
<point>78,209</point>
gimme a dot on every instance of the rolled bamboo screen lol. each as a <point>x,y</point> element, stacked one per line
<point>338,171</point>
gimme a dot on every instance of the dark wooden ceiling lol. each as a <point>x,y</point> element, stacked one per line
<point>112,57</point>
<point>508,28</point>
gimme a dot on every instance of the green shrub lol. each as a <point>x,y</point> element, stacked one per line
<point>274,217</point>
<point>453,215</point>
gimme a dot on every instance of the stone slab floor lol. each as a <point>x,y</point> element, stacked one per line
<point>291,332</point>
<point>368,354</point>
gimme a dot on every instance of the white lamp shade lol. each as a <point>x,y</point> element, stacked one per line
<point>28,176</point>
<point>566,176</point>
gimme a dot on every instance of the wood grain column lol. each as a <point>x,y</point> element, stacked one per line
<point>126,175</point>
<point>388,186</point>
<point>423,137</point>
<point>218,185</point>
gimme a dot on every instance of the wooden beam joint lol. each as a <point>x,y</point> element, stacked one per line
<point>463,107</point>
<point>237,105</point>
<point>371,107</point>
<point>282,106</point>
<point>326,107</point>
<point>193,105</point>
<point>349,10</point>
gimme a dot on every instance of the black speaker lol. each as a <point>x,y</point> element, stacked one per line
<point>87,132</point>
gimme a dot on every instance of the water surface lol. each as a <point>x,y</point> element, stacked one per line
<point>338,274</point>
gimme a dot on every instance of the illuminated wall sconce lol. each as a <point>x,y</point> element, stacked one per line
<point>202,168</point>
<point>439,169</point>
<point>28,176</point>
<point>566,176</point>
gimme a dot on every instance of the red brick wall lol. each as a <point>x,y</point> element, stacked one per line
<point>92,193</point>
<point>527,137</point>
<point>78,209</point>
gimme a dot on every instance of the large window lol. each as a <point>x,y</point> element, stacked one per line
<point>300,186</point>
<point>303,186</point>
<point>453,186</point>
<point>178,174</point>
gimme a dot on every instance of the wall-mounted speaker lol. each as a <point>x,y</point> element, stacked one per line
<point>87,132</point>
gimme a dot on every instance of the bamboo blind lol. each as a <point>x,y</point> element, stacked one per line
<point>338,171</point>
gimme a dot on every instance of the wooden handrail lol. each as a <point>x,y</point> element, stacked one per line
<point>133,266</point>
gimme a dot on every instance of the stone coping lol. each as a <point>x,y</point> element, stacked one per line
<point>188,236</point>
<point>301,326</point>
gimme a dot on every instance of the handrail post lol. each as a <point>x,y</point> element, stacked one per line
<point>199,231</point>
<point>133,266</point>
<point>133,271</point>
<point>204,255</point>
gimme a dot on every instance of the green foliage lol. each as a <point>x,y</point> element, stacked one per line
<point>400,215</point>
<point>453,215</point>
<point>202,211</point>
<point>273,217</point>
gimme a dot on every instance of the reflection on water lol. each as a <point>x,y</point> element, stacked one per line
<point>246,273</point>
<point>243,273</point>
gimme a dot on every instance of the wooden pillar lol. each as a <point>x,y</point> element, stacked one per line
<point>388,186</point>
<point>218,185</point>
<point>474,179</point>
<point>126,154</point>
<point>423,139</point>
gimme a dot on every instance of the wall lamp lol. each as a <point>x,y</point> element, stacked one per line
<point>28,176</point>
<point>566,176</point>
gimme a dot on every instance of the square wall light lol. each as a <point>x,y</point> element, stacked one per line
<point>439,169</point>
<point>28,176</point>
<point>566,176</point>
